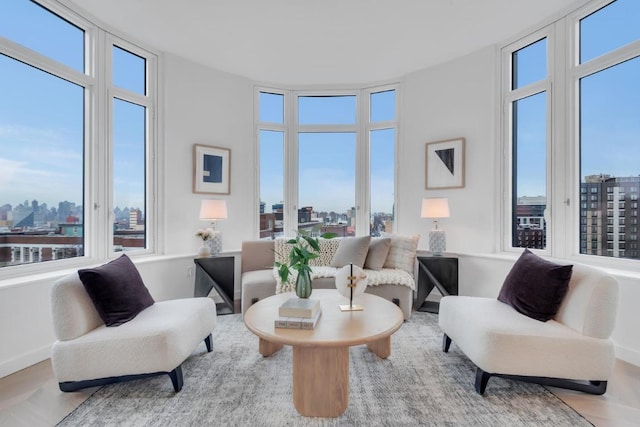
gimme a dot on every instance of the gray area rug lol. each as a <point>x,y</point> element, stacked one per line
<point>235,386</point>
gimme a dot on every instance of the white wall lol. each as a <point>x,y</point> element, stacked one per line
<point>453,100</point>
<point>208,107</point>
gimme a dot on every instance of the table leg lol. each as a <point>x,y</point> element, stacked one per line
<point>320,380</point>
<point>267,348</point>
<point>381,348</point>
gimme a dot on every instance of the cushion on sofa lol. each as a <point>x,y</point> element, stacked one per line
<point>535,287</point>
<point>116,290</point>
<point>328,248</point>
<point>402,253</point>
<point>377,255</point>
<point>351,250</point>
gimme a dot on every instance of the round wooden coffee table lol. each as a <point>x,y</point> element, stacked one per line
<point>321,355</point>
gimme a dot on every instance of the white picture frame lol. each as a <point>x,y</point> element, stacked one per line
<point>444,164</point>
<point>211,169</point>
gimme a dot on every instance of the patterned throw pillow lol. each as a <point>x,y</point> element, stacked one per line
<point>328,248</point>
<point>402,253</point>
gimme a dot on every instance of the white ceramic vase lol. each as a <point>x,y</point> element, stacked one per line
<point>204,250</point>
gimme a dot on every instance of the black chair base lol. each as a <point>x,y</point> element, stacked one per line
<point>175,375</point>
<point>591,387</point>
<point>482,378</point>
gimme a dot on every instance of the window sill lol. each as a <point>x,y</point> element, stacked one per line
<point>60,271</point>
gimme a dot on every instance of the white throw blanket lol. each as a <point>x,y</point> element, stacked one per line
<point>391,276</point>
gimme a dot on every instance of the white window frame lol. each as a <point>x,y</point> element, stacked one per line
<point>509,96</point>
<point>97,197</point>
<point>363,216</point>
<point>563,156</point>
<point>148,101</point>
<point>292,129</point>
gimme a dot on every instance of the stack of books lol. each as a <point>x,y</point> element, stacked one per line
<point>298,313</point>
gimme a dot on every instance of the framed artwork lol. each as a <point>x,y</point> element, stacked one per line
<point>445,164</point>
<point>211,167</point>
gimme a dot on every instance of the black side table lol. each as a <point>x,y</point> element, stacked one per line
<point>436,271</point>
<point>216,272</point>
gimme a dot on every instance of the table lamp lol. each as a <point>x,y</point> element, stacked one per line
<point>214,210</point>
<point>436,207</point>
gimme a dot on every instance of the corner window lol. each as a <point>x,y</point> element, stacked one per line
<point>572,152</point>
<point>311,167</point>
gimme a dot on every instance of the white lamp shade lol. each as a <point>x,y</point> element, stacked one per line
<point>435,207</point>
<point>342,281</point>
<point>213,209</point>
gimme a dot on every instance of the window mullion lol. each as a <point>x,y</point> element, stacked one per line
<point>362,196</point>
<point>607,60</point>
<point>291,165</point>
<point>37,60</point>
<point>100,205</point>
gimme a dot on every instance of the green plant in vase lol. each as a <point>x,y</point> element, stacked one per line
<point>304,248</point>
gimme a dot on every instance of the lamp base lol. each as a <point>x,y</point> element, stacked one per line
<point>437,242</point>
<point>347,307</point>
<point>215,243</point>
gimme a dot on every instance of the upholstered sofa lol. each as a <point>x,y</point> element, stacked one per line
<point>260,279</point>
<point>572,350</point>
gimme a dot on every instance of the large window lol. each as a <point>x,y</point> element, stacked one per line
<point>572,152</point>
<point>382,153</point>
<point>609,126</point>
<point>327,161</point>
<point>130,104</point>
<point>526,108</point>
<point>75,133</point>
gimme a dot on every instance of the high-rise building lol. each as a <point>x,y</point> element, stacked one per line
<point>609,216</point>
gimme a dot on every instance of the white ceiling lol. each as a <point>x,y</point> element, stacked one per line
<point>308,42</point>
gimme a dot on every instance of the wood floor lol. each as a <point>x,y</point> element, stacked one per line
<point>31,398</point>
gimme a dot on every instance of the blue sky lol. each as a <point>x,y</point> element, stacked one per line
<point>327,173</point>
<point>41,137</point>
<point>609,108</point>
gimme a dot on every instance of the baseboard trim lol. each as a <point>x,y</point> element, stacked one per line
<point>25,360</point>
<point>628,355</point>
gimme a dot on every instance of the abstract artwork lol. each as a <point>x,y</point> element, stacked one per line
<point>211,167</point>
<point>445,164</point>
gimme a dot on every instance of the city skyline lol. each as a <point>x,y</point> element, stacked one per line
<point>43,137</point>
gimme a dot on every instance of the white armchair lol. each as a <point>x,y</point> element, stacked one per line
<point>156,341</point>
<point>572,351</point>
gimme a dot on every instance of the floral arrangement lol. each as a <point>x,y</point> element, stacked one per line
<point>205,234</point>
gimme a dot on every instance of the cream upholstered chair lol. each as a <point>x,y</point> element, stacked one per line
<point>87,353</point>
<point>573,350</point>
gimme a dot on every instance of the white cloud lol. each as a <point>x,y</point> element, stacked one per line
<point>8,168</point>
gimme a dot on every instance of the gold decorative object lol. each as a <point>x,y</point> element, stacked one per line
<point>356,283</point>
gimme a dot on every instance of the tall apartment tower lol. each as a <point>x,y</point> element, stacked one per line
<point>609,216</point>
